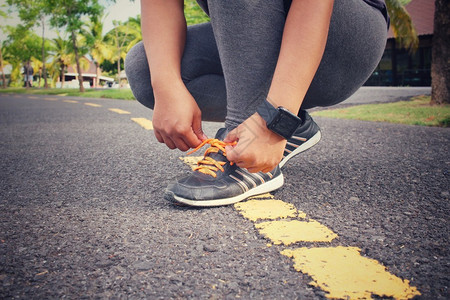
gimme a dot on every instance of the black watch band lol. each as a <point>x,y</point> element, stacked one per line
<point>279,120</point>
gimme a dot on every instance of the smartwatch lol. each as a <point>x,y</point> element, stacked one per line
<point>279,120</point>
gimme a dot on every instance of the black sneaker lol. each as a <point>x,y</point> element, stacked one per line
<point>307,135</point>
<point>217,182</point>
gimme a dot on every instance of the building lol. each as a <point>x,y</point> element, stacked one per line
<point>399,67</point>
<point>89,76</point>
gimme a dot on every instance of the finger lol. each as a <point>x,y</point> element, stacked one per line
<point>197,128</point>
<point>158,137</point>
<point>191,140</point>
<point>169,142</point>
<point>231,154</point>
<point>180,144</point>
<point>232,136</point>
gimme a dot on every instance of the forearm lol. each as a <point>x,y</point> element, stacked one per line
<point>304,39</point>
<point>164,36</point>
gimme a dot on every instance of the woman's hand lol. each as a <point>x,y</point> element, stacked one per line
<point>257,148</point>
<point>177,118</point>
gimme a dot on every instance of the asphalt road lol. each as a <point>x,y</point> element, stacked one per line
<point>83,213</point>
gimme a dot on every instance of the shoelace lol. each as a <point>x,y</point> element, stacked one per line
<point>209,165</point>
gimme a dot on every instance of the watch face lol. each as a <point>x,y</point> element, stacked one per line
<point>285,123</point>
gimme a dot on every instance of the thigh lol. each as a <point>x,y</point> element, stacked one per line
<point>200,61</point>
<point>355,44</point>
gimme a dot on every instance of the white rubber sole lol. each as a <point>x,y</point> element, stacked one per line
<point>305,146</point>
<point>267,187</point>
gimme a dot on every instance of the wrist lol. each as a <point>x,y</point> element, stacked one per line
<point>164,82</point>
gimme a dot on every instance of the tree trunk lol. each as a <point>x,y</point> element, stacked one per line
<point>44,71</point>
<point>1,69</point>
<point>118,57</point>
<point>440,68</point>
<point>77,60</point>
<point>97,73</point>
<point>63,77</point>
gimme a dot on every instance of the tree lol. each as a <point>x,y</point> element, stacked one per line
<point>31,12</point>
<point>3,15</point>
<point>20,47</point>
<point>61,58</point>
<point>119,37</point>
<point>99,48</point>
<point>402,26</point>
<point>440,67</point>
<point>69,14</point>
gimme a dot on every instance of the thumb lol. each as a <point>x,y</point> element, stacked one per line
<point>232,136</point>
<point>197,128</point>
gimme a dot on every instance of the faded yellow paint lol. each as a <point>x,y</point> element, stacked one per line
<point>345,274</point>
<point>191,161</point>
<point>145,123</point>
<point>92,104</point>
<point>33,97</point>
<point>119,111</point>
<point>292,231</point>
<point>50,99</point>
<point>262,196</point>
<point>266,209</point>
<point>70,101</point>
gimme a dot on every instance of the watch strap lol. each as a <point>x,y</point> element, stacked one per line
<point>267,111</point>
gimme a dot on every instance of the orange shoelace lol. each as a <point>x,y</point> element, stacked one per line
<point>209,165</point>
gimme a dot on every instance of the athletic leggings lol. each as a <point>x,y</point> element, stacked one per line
<point>228,63</point>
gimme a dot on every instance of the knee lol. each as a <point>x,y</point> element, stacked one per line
<point>138,74</point>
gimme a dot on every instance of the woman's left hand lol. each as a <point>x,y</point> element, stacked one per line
<point>258,148</point>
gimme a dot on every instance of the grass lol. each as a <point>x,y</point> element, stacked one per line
<point>417,111</point>
<point>124,94</point>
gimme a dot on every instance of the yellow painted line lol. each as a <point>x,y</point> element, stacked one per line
<point>92,104</point>
<point>50,99</point>
<point>145,123</point>
<point>266,209</point>
<point>288,232</point>
<point>191,161</point>
<point>70,101</point>
<point>345,274</point>
<point>33,97</point>
<point>119,111</point>
<point>340,271</point>
<point>262,196</point>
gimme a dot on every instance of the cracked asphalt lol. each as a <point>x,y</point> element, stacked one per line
<point>83,213</point>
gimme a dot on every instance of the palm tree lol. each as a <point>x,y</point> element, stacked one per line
<point>133,26</point>
<point>402,26</point>
<point>100,50</point>
<point>62,58</point>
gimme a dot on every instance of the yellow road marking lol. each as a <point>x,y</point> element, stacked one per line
<point>262,196</point>
<point>266,209</point>
<point>92,104</point>
<point>50,99</point>
<point>345,274</point>
<point>191,161</point>
<point>292,231</point>
<point>33,97</point>
<point>340,271</point>
<point>145,123</point>
<point>70,101</point>
<point>119,111</point>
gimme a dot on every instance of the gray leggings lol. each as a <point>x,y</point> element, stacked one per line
<point>228,64</point>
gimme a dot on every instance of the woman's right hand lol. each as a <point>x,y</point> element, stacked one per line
<point>177,118</point>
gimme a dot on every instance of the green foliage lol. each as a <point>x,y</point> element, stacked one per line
<point>418,111</point>
<point>21,46</point>
<point>401,24</point>
<point>193,13</point>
